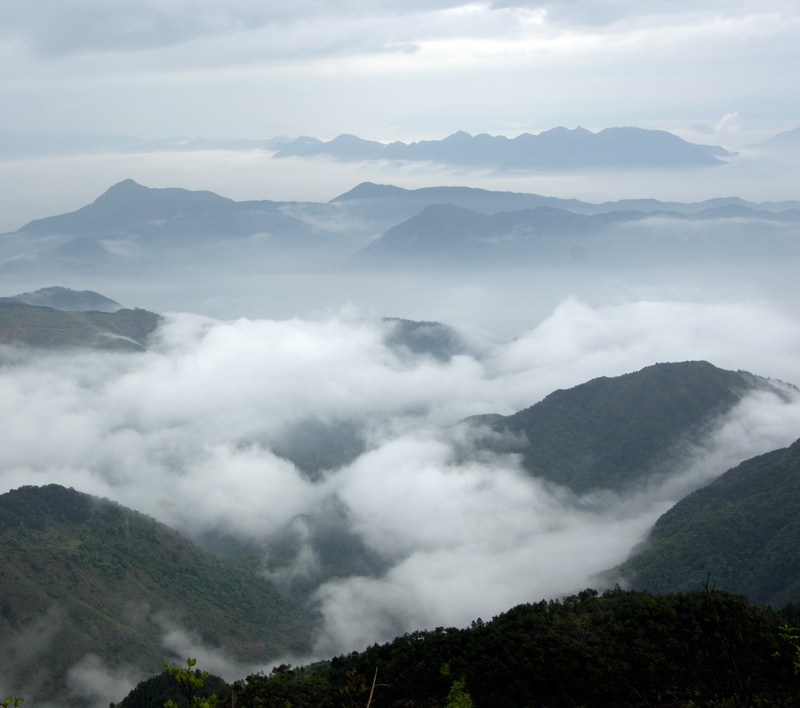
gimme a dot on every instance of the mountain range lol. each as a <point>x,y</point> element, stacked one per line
<point>444,235</point>
<point>552,150</point>
<point>379,198</point>
<point>131,230</point>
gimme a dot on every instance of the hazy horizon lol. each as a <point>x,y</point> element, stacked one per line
<point>42,186</point>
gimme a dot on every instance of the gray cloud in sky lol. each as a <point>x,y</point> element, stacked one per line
<point>253,69</point>
<point>598,13</point>
<point>89,25</point>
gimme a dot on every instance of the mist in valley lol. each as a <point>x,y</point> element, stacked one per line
<point>419,529</point>
<point>277,411</point>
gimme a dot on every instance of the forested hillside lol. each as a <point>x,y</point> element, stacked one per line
<point>123,330</point>
<point>741,533</point>
<point>611,433</point>
<point>87,576</point>
<point>616,649</point>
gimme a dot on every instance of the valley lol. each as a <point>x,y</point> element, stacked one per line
<point>289,486</point>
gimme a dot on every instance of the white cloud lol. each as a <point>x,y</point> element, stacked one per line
<point>96,685</point>
<point>184,431</point>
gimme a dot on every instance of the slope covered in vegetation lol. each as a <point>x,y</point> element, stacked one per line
<point>741,532</point>
<point>46,327</point>
<point>86,575</point>
<point>616,649</point>
<point>612,432</point>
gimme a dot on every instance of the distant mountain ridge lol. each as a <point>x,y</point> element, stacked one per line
<point>552,150</point>
<point>788,139</point>
<point>15,145</point>
<point>128,201</point>
<point>131,229</point>
<point>444,235</point>
<point>491,201</point>
<point>132,224</point>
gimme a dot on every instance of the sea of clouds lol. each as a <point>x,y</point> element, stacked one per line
<point>185,432</point>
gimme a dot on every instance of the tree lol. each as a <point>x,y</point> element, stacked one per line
<point>458,697</point>
<point>190,681</point>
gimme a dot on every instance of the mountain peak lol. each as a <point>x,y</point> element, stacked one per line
<point>662,406</point>
<point>369,190</point>
<point>352,139</point>
<point>563,130</point>
<point>459,135</point>
<point>124,190</point>
<point>66,299</point>
<point>127,186</point>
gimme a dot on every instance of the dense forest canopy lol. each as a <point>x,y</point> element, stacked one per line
<point>619,648</point>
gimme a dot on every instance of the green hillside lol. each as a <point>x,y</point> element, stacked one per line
<point>741,533</point>
<point>125,330</point>
<point>90,576</point>
<point>610,433</point>
<point>616,649</point>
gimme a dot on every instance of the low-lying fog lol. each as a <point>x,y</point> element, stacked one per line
<point>186,432</point>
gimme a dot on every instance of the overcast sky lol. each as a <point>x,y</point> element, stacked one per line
<point>398,69</point>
